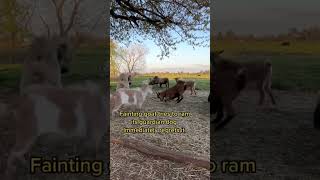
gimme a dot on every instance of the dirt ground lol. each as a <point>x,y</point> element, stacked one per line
<point>127,163</point>
<point>46,146</point>
<point>280,139</point>
<point>130,164</point>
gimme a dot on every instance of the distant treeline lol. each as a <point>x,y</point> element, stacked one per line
<point>172,75</point>
<point>200,72</point>
<point>309,34</point>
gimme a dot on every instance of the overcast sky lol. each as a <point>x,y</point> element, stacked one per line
<point>264,16</point>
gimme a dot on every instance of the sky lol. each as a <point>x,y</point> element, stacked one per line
<point>263,17</point>
<point>185,57</point>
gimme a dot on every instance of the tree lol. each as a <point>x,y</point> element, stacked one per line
<point>132,58</point>
<point>168,23</point>
<point>114,62</point>
<point>14,21</point>
<point>70,16</point>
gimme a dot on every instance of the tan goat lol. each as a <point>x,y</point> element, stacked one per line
<point>190,84</point>
<point>260,73</point>
<point>67,112</point>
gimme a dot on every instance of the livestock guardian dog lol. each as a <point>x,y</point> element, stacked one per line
<point>68,112</point>
<point>124,80</point>
<point>131,97</point>
<point>45,61</point>
<point>126,77</point>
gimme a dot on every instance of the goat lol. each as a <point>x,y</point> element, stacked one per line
<point>160,81</point>
<point>173,92</point>
<point>229,80</point>
<point>285,43</point>
<point>129,97</point>
<point>316,115</point>
<point>189,85</point>
<point>65,111</point>
<point>259,72</point>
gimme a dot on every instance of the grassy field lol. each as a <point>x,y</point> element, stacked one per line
<point>295,67</point>
<point>88,64</point>
<point>269,47</point>
<point>202,81</point>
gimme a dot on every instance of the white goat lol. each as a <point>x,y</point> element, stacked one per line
<point>129,97</point>
<point>68,112</point>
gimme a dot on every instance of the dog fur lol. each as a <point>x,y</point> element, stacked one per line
<point>46,60</point>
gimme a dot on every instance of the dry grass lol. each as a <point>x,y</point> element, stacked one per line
<point>130,164</point>
<point>280,139</point>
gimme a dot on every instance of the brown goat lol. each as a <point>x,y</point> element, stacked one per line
<point>173,92</point>
<point>285,43</point>
<point>316,115</point>
<point>229,80</point>
<point>160,81</point>
<point>191,85</point>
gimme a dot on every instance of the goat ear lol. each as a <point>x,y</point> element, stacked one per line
<point>220,52</point>
<point>217,53</point>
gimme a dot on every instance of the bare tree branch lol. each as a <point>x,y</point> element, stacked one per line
<point>167,22</point>
<point>44,22</point>
<point>133,57</point>
<point>73,15</point>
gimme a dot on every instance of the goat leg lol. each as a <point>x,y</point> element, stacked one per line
<point>181,97</point>
<point>219,115</point>
<point>223,123</point>
<point>230,114</point>
<point>316,117</point>
<point>178,99</point>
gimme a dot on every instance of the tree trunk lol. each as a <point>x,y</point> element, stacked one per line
<point>156,151</point>
<point>12,47</point>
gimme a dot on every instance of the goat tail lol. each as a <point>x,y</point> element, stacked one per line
<point>241,79</point>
